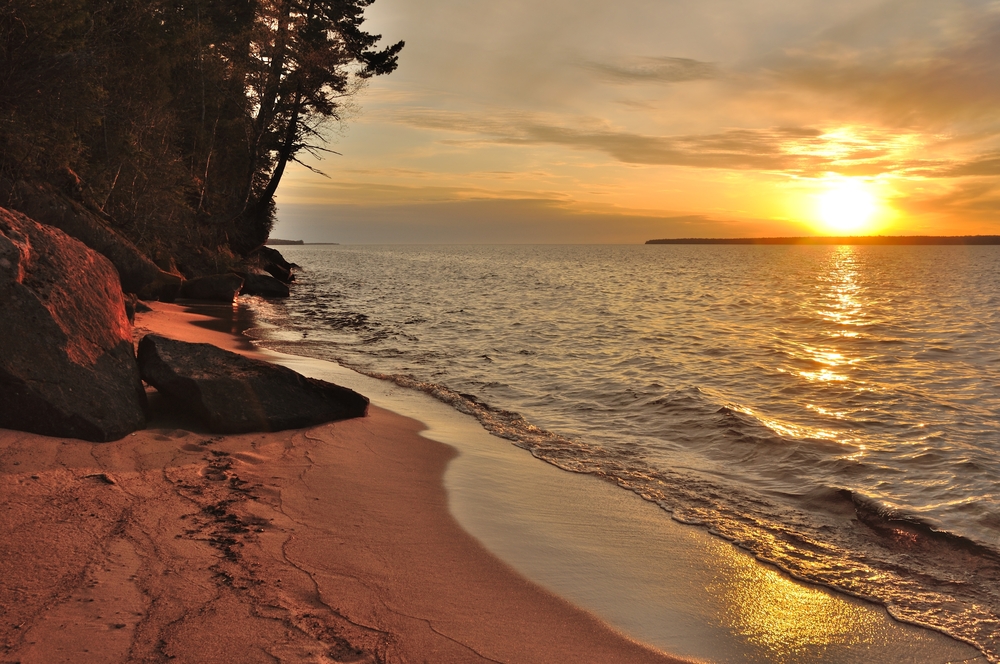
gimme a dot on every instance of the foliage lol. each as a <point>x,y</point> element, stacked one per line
<point>178,116</point>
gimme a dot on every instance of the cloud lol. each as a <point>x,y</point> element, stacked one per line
<point>986,164</point>
<point>736,149</point>
<point>382,193</point>
<point>800,151</point>
<point>733,149</point>
<point>975,201</point>
<point>907,78</point>
<point>655,70</point>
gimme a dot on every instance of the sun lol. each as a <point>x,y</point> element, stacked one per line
<point>846,206</point>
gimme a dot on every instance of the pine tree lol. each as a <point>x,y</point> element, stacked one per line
<point>180,116</point>
<point>304,57</point>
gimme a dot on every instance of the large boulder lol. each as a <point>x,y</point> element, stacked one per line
<point>216,287</point>
<point>236,394</point>
<point>67,365</point>
<point>138,273</point>
<point>272,262</point>
<point>262,285</point>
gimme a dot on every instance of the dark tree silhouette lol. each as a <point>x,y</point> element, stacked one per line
<point>176,119</point>
<point>303,57</point>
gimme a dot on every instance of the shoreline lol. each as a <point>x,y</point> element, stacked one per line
<point>856,240</point>
<point>329,544</point>
<point>545,541</point>
<point>625,560</point>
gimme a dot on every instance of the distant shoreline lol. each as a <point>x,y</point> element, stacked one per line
<point>844,239</point>
<point>283,243</point>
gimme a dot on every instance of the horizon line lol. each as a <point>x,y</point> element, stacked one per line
<point>843,239</point>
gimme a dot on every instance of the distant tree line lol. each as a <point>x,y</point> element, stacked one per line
<point>176,119</point>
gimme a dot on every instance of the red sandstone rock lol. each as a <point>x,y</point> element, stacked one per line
<point>262,285</point>
<point>232,393</point>
<point>217,287</point>
<point>67,365</point>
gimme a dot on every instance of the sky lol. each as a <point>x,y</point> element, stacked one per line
<point>578,121</point>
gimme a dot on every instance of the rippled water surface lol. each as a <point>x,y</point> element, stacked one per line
<point>834,410</point>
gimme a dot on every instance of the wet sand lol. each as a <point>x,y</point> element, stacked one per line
<point>663,583</point>
<point>331,544</point>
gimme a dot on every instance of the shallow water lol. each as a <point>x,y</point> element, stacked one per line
<point>831,409</point>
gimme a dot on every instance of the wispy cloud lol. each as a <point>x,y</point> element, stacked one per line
<point>799,151</point>
<point>952,75</point>
<point>362,192</point>
<point>974,201</point>
<point>654,70</point>
<point>987,164</point>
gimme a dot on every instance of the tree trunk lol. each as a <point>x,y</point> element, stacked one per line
<point>254,224</point>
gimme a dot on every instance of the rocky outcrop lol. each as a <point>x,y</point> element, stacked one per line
<point>272,262</point>
<point>235,394</point>
<point>67,366</point>
<point>138,273</point>
<point>262,285</point>
<point>217,287</point>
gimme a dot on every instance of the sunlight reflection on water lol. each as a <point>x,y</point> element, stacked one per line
<point>802,401</point>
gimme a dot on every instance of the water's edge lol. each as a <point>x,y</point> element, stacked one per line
<point>671,543</point>
<point>827,409</point>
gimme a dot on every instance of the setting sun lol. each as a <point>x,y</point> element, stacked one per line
<point>847,206</point>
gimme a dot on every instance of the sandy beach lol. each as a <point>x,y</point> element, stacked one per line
<point>632,332</point>
<point>331,544</point>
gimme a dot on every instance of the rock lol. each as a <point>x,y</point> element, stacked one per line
<point>262,285</point>
<point>165,263</point>
<point>67,366</point>
<point>133,306</point>
<point>272,262</point>
<point>235,394</point>
<point>278,272</point>
<point>274,256</point>
<point>130,301</point>
<point>219,287</point>
<point>138,274</point>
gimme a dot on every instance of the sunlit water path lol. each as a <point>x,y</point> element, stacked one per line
<point>834,410</point>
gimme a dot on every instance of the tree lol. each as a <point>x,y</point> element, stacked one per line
<point>47,92</point>
<point>178,116</point>
<point>304,58</point>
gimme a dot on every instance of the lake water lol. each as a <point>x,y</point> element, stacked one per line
<point>833,410</point>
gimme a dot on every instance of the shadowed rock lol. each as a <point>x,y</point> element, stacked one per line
<point>130,302</point>
<point>138,274</point>
<point>218,287</point>
<point>67,366</point>
<point>262,285</point>
<point>133,306</point>
<point>235,394</point>
<point>272,262</point>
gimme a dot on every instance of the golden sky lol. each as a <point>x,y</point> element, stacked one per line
<point>584,121</point>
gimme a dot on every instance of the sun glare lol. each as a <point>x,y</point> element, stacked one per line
<point>847,206</point>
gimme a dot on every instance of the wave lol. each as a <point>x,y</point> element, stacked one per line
<point>834,417</point>
<point>832,536</point>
